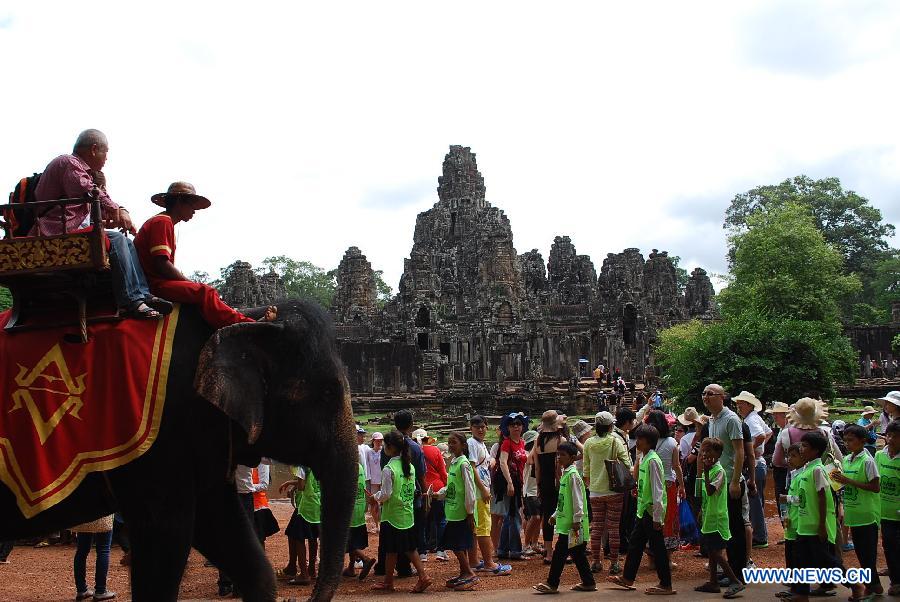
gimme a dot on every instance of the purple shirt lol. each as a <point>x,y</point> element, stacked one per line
<point>68,177</point>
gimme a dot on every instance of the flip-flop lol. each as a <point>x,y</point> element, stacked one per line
<point>581,587</point>
<point>382,586</point>
<point>708,588</point>
<point>453,582</point>
<point>619,581</point>
<point>734,591</point>
<point>466,585</point>
<point>821,592</point>
<point>421,586</point>
<point>366,568</point>
<point>658,591</point>
<point>543,588</point>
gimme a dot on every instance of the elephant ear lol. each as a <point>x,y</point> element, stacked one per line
<point>234,369</point>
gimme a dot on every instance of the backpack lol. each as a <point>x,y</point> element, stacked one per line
<point>19,218</point>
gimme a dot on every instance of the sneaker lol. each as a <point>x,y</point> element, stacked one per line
<point>479,568</point>
<point>615,569</point>
<point>358,564</point>
<point>751,564</point>
<point>848,547</point>
<point>423,557</point>
<point>85,595</point>
<point>442,555</point>
<point>760,544</point>
<point>528,551</point>
<point>502,570</point>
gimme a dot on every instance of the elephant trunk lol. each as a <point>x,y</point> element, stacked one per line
<point>336,472</point>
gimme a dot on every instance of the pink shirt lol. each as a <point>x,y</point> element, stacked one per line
<point>68,177</point>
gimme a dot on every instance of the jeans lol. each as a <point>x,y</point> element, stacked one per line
<point>129,283</point>
<point>434,527</point>
<point>5,548</point>
<point>510,533</point>
<point>757,505</point>
<point>102,542</point>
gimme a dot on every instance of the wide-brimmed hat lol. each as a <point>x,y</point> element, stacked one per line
<point>604,419</point>
<point>869,411</point>
<point>181,190</point>
<point>779,407</point>
<point>690,416</point>
<point>748,397</point>
<point>548,421</point>
<point>807,413</point>
<point>892,397</point>
<point>580,428</point>
<point>529,436</point>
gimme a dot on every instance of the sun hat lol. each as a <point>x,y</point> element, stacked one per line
<point>580,428</point>
<point>508,419</point>
<point>548,421</point>
<point>419,435</point>
<point>807,413</point>
<point>838,426</point>
<point>689,416</point>
<point>748,397</point>
<point>376,436</point>
<point>529,436</point>
<point>892,397</point>
<point>869,411</point>
<point>604,419</point>
<point>181,190</point>
<point>561,421</point>
<point>779,407</point>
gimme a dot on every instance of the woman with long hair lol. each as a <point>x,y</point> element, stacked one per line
<point>668,451</point>
<point>507,484</point>
<point>547,473</point>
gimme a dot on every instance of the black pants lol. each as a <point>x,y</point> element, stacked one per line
<point>644,533</point>
<point>865,542</point>
<point>890,541</point>
<point>737,545</point>
<point>809,553</point>
<point>561,552</point>
<point>5,548</point>
<point>549,498</point>
<point>626,526</point>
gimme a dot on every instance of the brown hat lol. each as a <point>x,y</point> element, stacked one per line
<point>548,421</point>
<point>181,190</point>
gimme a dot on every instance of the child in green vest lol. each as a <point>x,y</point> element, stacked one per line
<point>571,525</point>
<point>459,508</point>
<point>790,501</point>
<point>888,462</point>
<point>358,537</point>
<point>651,512</point>
<point>862,508</point>
<point>305,526</point>
<point>397,534</point>
<point>816,522</point>
<point>711,490</point>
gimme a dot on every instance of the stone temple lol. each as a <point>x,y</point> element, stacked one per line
<point>471,309</point>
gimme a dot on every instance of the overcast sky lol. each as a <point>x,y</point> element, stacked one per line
<point>314,126</point>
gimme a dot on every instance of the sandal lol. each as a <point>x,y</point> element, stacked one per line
<point>366,568</point>
<point>453,582</point>
<point>466,585</point>
<point>619,581</point>
<point>734,590</point>
<point>543,588</point>
<point>141,311</point>
<point>421,586</point>
<point>822,592</point>
<point>581,587</point>
<point>161,305</point>
<point>659,591</point>
<point>708,588</point>
<point>382,586</point>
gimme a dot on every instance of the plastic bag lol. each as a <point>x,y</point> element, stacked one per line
<point>689,532</point>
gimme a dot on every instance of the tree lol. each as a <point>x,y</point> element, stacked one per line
<point>847,220</point>
<point>774,357</point>
<point>384,290</point>
<point>681,274</point>
<point>783,267</point>
<point>303,279</point>
<point>5,299</point>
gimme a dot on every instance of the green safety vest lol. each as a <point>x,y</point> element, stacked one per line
<point>645,497</point>
<point>398,509</point>
<point>861,507</point>
<point>715,507</point>
<point>359,508</point>
<point>455,495</point>
<point>808,511</point>
<point>889,474</point>
<point>793,511</point>
<point>565,508</point>
<point>310,506</point>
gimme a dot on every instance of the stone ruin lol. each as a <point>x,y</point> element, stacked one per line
<point>470,309</point>
<point>244,287</point>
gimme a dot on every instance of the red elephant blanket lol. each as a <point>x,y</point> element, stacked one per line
<point>71,408</point>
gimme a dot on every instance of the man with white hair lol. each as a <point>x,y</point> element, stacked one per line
<point>75,176</point>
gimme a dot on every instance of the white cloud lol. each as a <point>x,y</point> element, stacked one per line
<point>314,127</point>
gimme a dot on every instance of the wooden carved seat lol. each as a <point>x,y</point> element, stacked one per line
<point>58,280</point>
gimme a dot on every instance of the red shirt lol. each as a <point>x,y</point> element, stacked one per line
<point>435,468</point>
<point>156,238</point>
<point>517,454</point>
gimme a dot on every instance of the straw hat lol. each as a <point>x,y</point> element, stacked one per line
<point>748,397</point>
<point>779,407</point>
<point>807,413</point>
<point>181,190</point>
<point>869,411</point>
<point>548,421</point>
<point>689,416</point>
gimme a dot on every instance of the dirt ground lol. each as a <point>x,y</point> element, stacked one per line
<point>45,574</point>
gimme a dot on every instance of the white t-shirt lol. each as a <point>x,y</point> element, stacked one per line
<point>373,466</point>
<point>684,446</point>
<point>363,450</point>
<point>478,456</point>
<point>757,427</point>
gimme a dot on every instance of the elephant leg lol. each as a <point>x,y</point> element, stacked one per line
<point>224,535</point>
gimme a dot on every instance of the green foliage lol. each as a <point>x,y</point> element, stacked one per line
<point>384,289</point>
<point>847,220</point>
<point>5,299</point>
<point>303,279</point>
<point>201,277</point>
<point>681,274</point>
<point>886,283</point>
<point>774,357</point>
<point>869,315</point>
<point>895,345</point>
<point>783,267</point>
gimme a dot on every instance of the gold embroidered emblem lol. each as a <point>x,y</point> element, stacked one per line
<point>26,379</point>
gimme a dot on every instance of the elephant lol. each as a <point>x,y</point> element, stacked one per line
<point>243,392</point>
